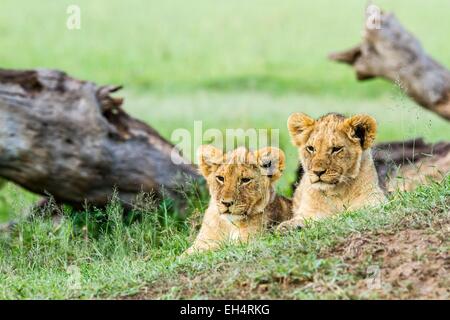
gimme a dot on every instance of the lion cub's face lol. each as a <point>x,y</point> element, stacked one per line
<point>331,147</point>
<point>241,182</point>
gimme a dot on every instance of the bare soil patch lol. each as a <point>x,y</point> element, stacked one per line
<point>405,264</point>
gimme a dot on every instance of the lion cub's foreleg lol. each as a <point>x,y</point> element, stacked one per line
<point>212,233</point>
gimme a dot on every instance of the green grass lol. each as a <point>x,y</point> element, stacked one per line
<point>306,264</point>
<point>116,257</point>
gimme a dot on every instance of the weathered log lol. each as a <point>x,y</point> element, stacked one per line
<point>395,54</point>
<point>403,165</point>
<point>71,139</point>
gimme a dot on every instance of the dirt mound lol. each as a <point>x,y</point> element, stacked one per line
<point>405,259</point>
<point>406,264</point>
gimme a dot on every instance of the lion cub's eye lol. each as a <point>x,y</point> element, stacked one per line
<point>310,149</point>
<point>220,179</point>
<point>267,165</point>
<point>336,149</point>
<point>245,180</point>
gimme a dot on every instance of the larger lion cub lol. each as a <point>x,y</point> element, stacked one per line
<point>243,199</point>
<point>339,171</point>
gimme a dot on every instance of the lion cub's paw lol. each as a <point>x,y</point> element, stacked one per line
<point>186,253</point>
<point>289,225</point>
<point>191,251</point>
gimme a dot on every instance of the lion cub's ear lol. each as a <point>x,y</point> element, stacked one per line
<point>361,128</point>
<point>300,126</point>
<point>209,158</point>
<point>271,162</point>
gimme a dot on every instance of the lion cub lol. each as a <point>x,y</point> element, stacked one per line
<point>243,199</point>
<point>339,171</point>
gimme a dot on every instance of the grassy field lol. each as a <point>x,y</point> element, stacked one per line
<point>112,258</point>
<point>405,242</point>
<point>230,64</point>
<point>169,46</point>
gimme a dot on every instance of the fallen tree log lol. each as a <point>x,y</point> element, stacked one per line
<point>393,53</point>
<point>71,139</point>
<point>404,165</point>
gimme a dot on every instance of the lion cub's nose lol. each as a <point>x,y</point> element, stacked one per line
<point>227,203</point>
<point>319,172</point>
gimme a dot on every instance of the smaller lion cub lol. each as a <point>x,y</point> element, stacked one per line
<point>243,199</point>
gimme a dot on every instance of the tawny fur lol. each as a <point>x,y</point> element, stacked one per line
<point>339,171</point>
<point>245,180</point>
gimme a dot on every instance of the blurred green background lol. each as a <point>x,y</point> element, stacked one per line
<point>178,45</point>
<point>231,64</point>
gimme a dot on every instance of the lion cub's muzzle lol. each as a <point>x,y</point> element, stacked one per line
<point>227,206</point>
<point>323,176</point>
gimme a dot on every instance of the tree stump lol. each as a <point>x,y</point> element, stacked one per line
<point>393,53</point>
